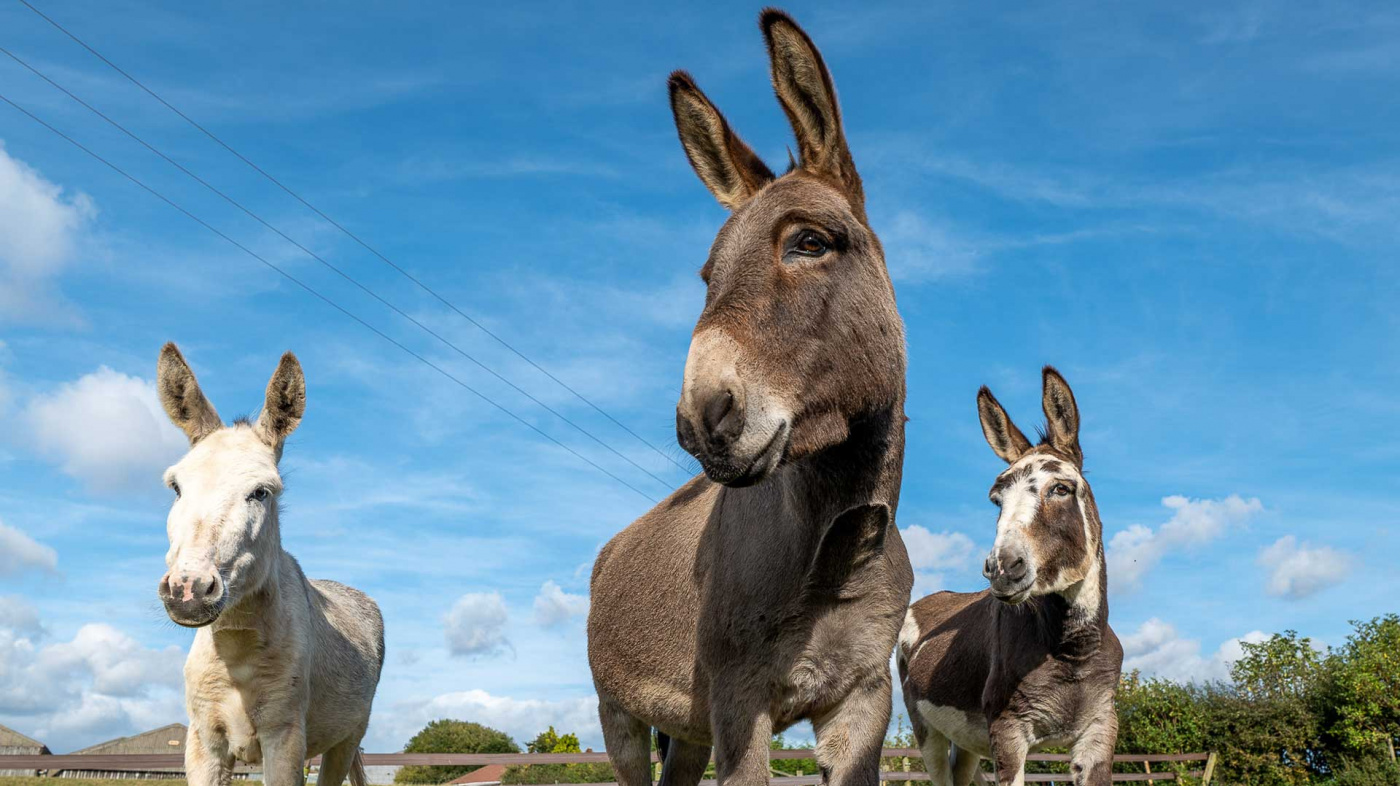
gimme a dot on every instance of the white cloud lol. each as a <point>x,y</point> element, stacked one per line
<point>476,625</point>
<point>1135,550</point>
<point>933,553</point>
<point>40,231</point>
<point>1157,650</point>
<point>554,606</point>
<point>522,719</point>
<point>19,552</point>
<point>936,551</point>
<point>1297,570</point>
<point>19,616</point>
<point>107,429</point>
<point>100,684</point>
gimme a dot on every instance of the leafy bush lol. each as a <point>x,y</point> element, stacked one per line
<point>452,736</point>
<point>550,741</point>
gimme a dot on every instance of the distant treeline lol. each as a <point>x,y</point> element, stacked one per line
<point>1290,715</point>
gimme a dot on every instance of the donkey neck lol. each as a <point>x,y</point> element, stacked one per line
<point>262,607</point>
<point>866,467</point>
<point>1071,624</point>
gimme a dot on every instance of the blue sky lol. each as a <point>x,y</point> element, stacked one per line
<point>1189,211</point>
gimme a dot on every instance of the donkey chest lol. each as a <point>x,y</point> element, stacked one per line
<point>234,701</point>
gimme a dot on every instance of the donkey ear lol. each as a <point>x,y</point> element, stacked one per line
<point>184,402</point>
<point>808,96</point>
<point>1006,440</point>
<point>285,404</point>
<point>1061,415</point>
<point>727,166</point>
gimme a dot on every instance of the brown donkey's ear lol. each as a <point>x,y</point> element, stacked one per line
<point>727,166</point>
<point>808,96</point>
<point>285,404</point>
<point>1061,415</point>
<point>1006,440</point>
<point>184,402</point>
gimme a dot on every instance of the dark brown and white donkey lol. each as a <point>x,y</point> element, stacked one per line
<point>771,589</point>
<point>1031,662</point>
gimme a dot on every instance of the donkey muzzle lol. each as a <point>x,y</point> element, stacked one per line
<point>1010,574</point>
<point>191,599</point>
<point>737,432</point>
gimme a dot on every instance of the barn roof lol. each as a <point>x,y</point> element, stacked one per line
<point>11,738</point>
<point>166,739</point>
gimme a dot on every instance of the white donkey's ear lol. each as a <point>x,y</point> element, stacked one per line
<point>285,404</point>
<point>181,397</point>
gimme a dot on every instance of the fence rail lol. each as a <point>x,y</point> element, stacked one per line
<point>117,762</point>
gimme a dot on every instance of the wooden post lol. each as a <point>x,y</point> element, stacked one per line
<point>906,760</point>
<point>1210,769</point>
<point>656,768</point>
<point>1147,766</point>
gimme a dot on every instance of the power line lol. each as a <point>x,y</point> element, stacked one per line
<point>327,264</point>
<point>354,237</point>
<point>322,297</point>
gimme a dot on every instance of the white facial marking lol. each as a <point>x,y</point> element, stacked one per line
<point>213,525</point>
<point>1020,503</point>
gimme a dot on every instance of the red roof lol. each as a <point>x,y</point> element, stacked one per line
<point>491,773</point>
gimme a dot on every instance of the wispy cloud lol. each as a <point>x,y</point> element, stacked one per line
<point>1133,552</point>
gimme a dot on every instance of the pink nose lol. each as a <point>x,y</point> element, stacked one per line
<point>184,588</point>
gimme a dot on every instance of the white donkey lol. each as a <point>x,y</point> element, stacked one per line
<point>282,668</point>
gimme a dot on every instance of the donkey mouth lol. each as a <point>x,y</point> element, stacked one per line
<point>736,475</point>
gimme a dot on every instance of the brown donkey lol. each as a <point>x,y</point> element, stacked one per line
<point>1031,662</point>
<point>772,590</point>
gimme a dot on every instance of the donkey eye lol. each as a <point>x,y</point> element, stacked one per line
<point>260,494</point>
<point>175,487</point>
<point>996,500</point>
<point>809,244</point>
<point>1061,490</point>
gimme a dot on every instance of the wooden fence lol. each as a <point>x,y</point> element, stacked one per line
<point>143,761</point>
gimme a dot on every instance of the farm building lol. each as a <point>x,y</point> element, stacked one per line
<point>167,739</point>
<point>12,743</point>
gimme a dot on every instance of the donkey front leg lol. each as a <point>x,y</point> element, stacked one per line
<point>207,761</point>
<point>849,737</point>
<point>284,755</point>
<point>742,731</point>
<point>1091,755</point>
<point>1010,744</point>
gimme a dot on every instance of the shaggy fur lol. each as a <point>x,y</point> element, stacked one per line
<point>282,668</point>
<point>771,589</point>
<point>1031,662</point>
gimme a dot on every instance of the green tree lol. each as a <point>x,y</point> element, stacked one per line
<point>452,736</point>
<point>1281,667</point>
<point>551,741</point>
<point>1362,705</point>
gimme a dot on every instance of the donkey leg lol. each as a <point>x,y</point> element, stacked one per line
<point>284,755</point>
<point>685,763</point>
<point>207,762</point>
<point>935,748</point>
<point>849,737</point>
<point>742,731</point>
<point>966,766</point>
<point>336,762</point>
<point>1091,755</point>
<point>628,742</point>
<point>1010,744</point>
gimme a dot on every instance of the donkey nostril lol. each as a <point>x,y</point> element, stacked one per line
<point>988,567</point>
<point>1017,569</point>
<point>716,409</point>
<point>210,586</point>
